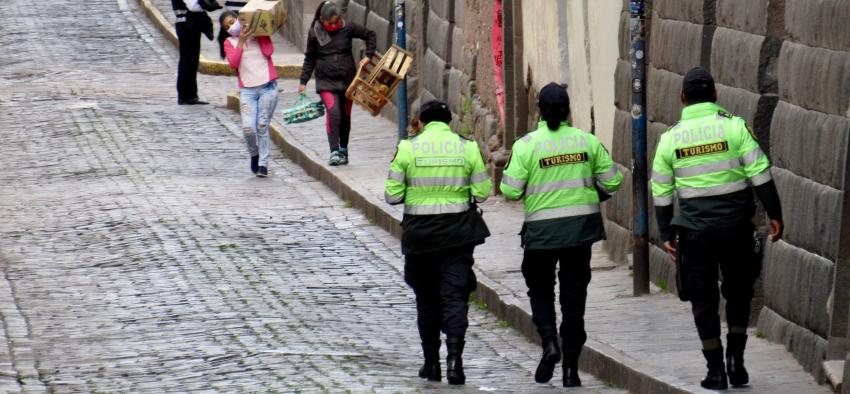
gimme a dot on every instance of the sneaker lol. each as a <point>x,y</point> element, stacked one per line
<point>343,157</point>
<point>335,159</point>
<point>263,172</point>
<point>255,164</point>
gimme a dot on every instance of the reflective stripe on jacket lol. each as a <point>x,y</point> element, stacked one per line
<point>437,172</point>
<point>709,153</point>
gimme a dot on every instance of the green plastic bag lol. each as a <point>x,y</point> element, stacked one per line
<point>303,110</point>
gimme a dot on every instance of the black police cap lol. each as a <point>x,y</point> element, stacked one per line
<point>697,80</point>
<point>435,110</point>
<point>553,94</point>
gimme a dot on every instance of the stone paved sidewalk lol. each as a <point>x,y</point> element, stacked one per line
<point>647,344</point>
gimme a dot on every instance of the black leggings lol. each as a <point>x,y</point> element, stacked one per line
<point>338,119</point>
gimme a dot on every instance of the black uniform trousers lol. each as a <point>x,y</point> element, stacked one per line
<point>187,66</point>
<point>701,253</point>
<point>538,268</point>
<point>442,282</point>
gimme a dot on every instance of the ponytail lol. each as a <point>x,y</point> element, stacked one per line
<point>554,105</point>
<point>554,115</point>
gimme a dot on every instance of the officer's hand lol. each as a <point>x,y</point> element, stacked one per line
<point>671,248</point>
<point>776,229</point>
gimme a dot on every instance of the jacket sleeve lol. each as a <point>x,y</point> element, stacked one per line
<point>769,197</point>
<point>663,186</point>
<point>309,59</point>
<point>396,185</point>
<point>480,185</point>
<point>516,174</point>
<point>605,172</point>
<point>266,46</point>
<point>663,182</point>
<point>755,162</point>
<point>369,36</point>
<point>233,55</point>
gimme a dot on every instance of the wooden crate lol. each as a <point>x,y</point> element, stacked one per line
<point>377,80</point>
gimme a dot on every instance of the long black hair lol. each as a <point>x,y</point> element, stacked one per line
<point>326,10</point>
<point>222,32</point>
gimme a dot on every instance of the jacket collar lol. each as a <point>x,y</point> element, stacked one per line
<point>700,110</point>
<point>437,127</point>
<point>541,125</point>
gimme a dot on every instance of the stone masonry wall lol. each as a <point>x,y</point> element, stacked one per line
<point>448,59</point>
<point>784,66</point>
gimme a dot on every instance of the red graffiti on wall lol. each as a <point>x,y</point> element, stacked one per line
<point>498,57</point>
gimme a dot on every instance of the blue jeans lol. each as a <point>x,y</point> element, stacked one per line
<point>258,105</point>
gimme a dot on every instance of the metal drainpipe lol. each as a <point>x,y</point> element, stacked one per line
<point>401,95</point>
<point>637,54</point>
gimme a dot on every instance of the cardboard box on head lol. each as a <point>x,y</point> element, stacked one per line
<point>262,18</point>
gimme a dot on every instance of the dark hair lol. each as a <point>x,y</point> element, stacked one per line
<point>326,10</point>
<point>222,32</point>
<point>554,114</point>
<point>700,94</point>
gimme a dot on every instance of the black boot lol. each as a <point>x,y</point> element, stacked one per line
<point>736,343</point>
<point>570,368</point>
<point>715,379</point>
<point>551,356</point>
<point>431,368</point>
<point>454,362</point>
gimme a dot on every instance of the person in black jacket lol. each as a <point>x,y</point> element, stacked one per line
<point>329,55</point>
<point>192,21</point>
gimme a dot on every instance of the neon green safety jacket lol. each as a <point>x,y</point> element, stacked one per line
<point>709,159</point>
<point>437,172</point>
<point>558,173</point>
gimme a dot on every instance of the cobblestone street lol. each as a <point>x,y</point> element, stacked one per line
<point>139,253</point>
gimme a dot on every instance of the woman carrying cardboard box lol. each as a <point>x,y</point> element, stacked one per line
<point>251,57</point>
<point>329,55</point>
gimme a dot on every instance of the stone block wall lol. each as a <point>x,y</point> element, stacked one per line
<point>448,57</point>
<point>299,16</point>
<point>784,66</point>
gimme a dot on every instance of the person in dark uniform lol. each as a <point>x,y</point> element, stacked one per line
<point>712,161</point>
<point>438,176</point>
<point>192,21</point>
<point>561,173</point>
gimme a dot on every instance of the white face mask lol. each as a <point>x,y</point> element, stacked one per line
<point>235,29</point>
